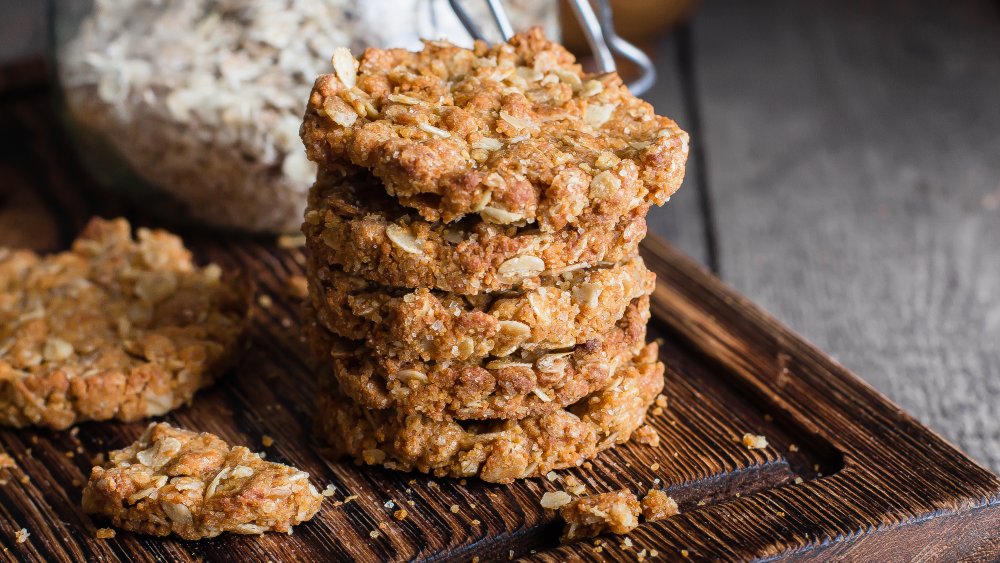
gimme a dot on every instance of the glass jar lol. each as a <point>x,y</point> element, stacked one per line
<point>202,99</point>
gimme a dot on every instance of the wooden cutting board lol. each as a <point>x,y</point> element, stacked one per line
<point>847,474</point>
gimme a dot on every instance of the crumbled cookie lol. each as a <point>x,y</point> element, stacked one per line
<point>196,486</point>
<point>754,441</point>
<point>554,500</point>
<point>516,133</point>
<point>565,311</point>
<point>616,512</point>
<point>498,451</point>
<point>351,222</point>
<point>647,435</point>
<point>115,328</point>
<point>520,385</point>
<point>657,505</point>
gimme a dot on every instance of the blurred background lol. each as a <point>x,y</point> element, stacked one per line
<point>844,174</point>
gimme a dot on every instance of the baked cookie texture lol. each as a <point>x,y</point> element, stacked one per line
<point>351,222</point>
<point>516,386</point>
<point>616,512</point>
<point>195,485</point>
<point>476,303</point>
<point>563,311</point>
<point>497,451</point>
<point>115,328</point>
<point>515,133</point>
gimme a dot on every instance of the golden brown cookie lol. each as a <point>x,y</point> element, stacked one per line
<point>497,451</point>
<point>420,324</point>
<point>519,385</point>
<point>173,481</point>
<point>516,133</point>
<point>350,222</point>
<point>114,328</point>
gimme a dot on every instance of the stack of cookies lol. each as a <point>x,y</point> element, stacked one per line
<point>477,304</point>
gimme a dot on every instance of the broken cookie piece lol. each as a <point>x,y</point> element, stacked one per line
<point>616,512</point>
<point>114,328</point>
<point>657,505</point>
<point>194,485</point>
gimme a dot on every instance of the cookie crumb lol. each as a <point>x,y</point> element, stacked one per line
<point>661,401</point>
<point>105,533</point>
<point>454,509</point>
<point>553,500</point>
<point>266,441</point>
<point>551,476</point>
<point>22,535</point>
<point>6,462</point>
<point>754,441</point>
<point>574,485</point>
<point>291,241</point>
<point>799,480</point>
<point>265,301</point>
<point>657,505</point>
<point>616,512</point>
<point>793,448</point>
<point>298,287</point>
<point>647,435</point>
<point>374,534</point>
<point>400,514</point>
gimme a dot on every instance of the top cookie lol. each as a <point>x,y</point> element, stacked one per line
<point>517,133</point>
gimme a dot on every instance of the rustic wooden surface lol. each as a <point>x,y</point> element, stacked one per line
<point>875,483</point>
<point>852,163</point>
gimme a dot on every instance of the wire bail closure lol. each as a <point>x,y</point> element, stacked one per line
<point>598,27</point>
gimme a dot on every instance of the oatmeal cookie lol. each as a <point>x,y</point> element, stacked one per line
<point>516,133</point>
<point>498,451</point>
<point>196,486</point>
<point>114,328</point>
<point>516,386</point>
<point>616,512</point>
<point>352,223</point>
<point>426,325</point>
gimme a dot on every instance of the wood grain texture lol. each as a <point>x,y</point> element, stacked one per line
<point>876,484</point>
<point>683,220</point>
<point>854,167</point>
